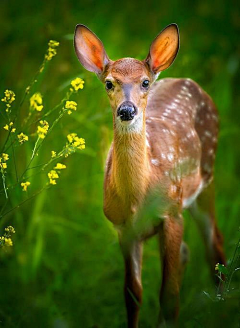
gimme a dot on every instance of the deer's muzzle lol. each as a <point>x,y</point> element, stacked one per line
<point>126,111</point>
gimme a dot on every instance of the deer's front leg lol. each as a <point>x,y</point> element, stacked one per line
<point>132,253</point>
<point>170,242</point>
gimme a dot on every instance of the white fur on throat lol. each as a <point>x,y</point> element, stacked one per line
<point>134,126</point>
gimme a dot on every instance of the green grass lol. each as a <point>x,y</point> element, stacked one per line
<point>65,268</point>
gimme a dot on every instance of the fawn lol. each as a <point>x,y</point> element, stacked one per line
<point>163,151</point>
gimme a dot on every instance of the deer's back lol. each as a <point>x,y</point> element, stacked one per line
<point>182,129</point>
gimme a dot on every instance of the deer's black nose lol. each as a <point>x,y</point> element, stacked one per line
<point>127,111</point>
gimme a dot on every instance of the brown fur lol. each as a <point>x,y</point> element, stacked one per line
<point>165,153</point>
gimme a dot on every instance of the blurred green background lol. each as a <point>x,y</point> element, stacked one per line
<point>65,268</point>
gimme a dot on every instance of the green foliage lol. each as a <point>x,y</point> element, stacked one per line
<point>65,268</point>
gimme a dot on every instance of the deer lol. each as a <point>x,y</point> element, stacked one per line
<point>165,136</point>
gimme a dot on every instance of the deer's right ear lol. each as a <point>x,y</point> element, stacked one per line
<point>163,49</point>
<point>90,50</point>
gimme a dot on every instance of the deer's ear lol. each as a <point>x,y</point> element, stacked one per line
<point>90,50</point>
<point>163,49</point>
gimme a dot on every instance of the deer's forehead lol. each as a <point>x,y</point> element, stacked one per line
<point>128,69</point>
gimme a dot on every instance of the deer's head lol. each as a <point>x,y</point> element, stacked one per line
<point>127,81</point>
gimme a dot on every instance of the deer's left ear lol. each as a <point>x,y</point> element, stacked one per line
<point>90,50</point>
<point>163,49</point>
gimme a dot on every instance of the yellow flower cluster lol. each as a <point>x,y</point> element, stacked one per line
<point>6,239</point>
<point>77,84</point>
<point>52,175</point>
<point>9,98</point>
<point>22,138</point>
<point>75,141</point>
<point>9,127</point>
<point>25,185</point>
<point>10,229</point>
<point>42,129</point>
<point>53,154</point>
<point>51,52</point>
<point>36,102</point>
<point>71,105</point>
<point>3,158</point>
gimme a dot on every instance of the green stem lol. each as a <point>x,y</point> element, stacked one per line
<point>17,206</point>
<point>4,185</point>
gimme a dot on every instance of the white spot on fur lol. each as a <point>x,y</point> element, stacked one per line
<point>155,161</point>
<point>208,133</point>
<point>165,130</point>
<point>163,155</point>
<point>173,189</point>
<point>170,157</point>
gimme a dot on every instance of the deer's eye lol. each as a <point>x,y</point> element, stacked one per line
<point>108,85</point>
<point>145,84</point>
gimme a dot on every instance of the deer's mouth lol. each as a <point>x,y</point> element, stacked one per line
<point>134,125</point>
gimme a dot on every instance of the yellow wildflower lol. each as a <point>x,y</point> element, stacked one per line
<point>36,101</point>
<point>25,185</point>
<point>53,154</point>
<point>60,166</point>
<point>22,138</point>
<point>8,242</point>
<point>10,229</point>
<point>71,136</point>
<point>5,157</point>
<point>6,239</point>
<point>9,127</point>
<point>51,52</point>
<point>9,97</point>
<point>42,129</point>
<point>53,44</point>
<point>74,143</point>
<point>71,105</point>
<point>52,175</point>
<point>77,84</point>
<point>3,165</point>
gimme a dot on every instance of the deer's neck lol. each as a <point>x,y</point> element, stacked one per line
<point>130,164</point>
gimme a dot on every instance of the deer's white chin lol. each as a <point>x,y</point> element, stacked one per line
<point>133,126</point>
